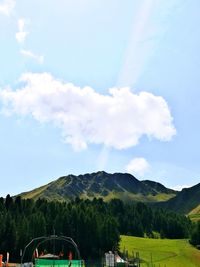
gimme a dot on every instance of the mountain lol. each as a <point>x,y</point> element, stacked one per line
<point>102,184</point>
<point>186,201</point>
<point>159,188</point>
<point>119,185</point>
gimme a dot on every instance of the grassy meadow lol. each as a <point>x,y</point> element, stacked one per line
<point>161,252</point>
<point>194,217</point>
<point>195,214</point>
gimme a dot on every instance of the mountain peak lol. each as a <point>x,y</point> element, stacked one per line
<point>101,184</point>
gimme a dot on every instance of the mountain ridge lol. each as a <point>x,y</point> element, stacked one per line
<point>118,185</point>
<point>186,201</point>
<point>102,184</point>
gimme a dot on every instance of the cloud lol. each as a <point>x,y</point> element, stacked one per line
<point>118,119</point>
<point>180,187</point>
<point>7,6</point>
<point>21,34</point>
<point>21,37</point>
<point>29,54</point>
<point>138,166</point>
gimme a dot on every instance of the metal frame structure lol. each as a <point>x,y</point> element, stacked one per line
<point>44,239</point>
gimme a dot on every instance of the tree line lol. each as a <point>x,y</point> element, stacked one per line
<point>195,235</point>
<point>94,225</point>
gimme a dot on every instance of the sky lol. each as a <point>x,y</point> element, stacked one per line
<point>92,85</point>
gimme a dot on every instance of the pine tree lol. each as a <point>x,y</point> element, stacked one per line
<point>195,236</point>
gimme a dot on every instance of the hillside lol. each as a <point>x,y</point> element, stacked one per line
<point>186,201</point>
<point>161,192</point>
<point>161,252</point>
<point>102,184</point>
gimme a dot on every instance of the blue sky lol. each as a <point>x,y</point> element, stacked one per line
<point>88,85</point>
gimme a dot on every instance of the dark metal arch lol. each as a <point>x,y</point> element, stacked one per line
<point>44,239</point>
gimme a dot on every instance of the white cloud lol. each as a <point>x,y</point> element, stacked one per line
<point>21,37</point>
<point>29,54</point>
<point>138,166</point>
<point>180,187</point>
<point>117,120</point>
<point>7,6</point>
<point>21,34</point>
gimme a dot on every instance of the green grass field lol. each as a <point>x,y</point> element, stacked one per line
<point>194,217</point>
<point>194,214</point>
<point>162,252</point>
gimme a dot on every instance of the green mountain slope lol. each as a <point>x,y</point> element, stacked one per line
<point>101,184</point>
<point>158,187</point>
<point>161,193</point>
<point>185,201</point>
<point>161,252</point>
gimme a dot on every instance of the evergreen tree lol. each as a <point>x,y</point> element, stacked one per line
<point>195,236</point>
<point>94,225</point>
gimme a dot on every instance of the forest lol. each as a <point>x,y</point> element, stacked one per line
<point>94,225</point>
